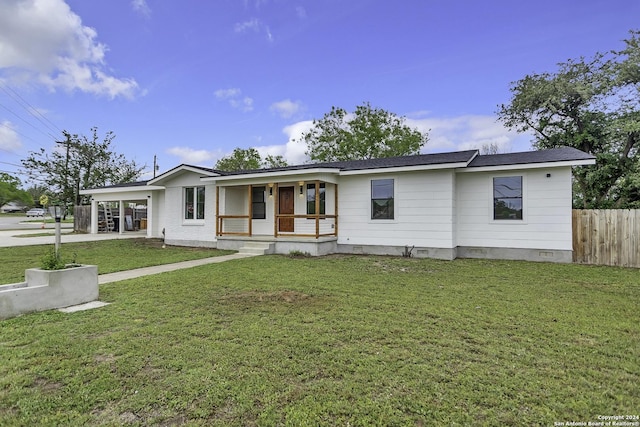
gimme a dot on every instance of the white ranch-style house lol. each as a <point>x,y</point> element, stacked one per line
<point>446,205</point>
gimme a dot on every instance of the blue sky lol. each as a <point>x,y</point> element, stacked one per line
<point>191,80</point>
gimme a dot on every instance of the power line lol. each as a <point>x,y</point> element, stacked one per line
<point>19,133</point>
<point>30,124</point>
<point>34,112</point>
<point>14,172</point>
<point>11,164</point>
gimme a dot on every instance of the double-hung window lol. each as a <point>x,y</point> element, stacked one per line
<point>507,198</point>
<point>258,205</point>
<point>311,199</point>
<point>194,203</point>
<point>382,199</point>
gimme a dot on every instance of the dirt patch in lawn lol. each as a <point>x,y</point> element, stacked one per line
<point>285,296</point>
<point>46,385</point>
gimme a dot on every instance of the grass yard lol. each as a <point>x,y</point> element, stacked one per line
<point>109,255</point>
<point>338,340</point>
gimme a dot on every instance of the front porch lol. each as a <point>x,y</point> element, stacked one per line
<point>303,211</point>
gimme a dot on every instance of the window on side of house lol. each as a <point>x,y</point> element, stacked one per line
<point>382,199</point>
<point>194,202</point>
<point>311,199</point>
<point>507,198</point>
<point>258,205</point>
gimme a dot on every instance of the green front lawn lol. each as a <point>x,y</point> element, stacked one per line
<point>109,255</point>
<point>339,340</point>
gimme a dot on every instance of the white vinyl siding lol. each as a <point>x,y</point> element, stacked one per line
<point>176,227</point>
<point>546,204</point>
<point>423,211</point>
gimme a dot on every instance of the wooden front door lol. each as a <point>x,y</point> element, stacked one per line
<point>285,207</point>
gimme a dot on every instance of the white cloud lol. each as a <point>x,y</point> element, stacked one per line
<point>253,25</point>
<point>192,157</point>
<point>293,150</point>
<point>445,134</point>
<point>45,42</point>
<point>468,132</point>
<point>235,99</point>
<point>286,108</point>
<point>255,4</point>
<point>9,139</point>
<point>245,105</point>
<point>227,93</point>
<point>268,32</point>
<point>141,7</point>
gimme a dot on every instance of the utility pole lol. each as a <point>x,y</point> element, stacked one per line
<point>67,143</point>
<point>155,165</point>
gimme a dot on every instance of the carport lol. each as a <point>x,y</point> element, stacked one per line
<point>125,208</point>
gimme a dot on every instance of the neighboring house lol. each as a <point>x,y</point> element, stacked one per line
<point>448,205</point>
<point>12,207</point>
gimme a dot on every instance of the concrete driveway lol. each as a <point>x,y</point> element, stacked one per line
<point>15,231</point>
<point>22,222</point>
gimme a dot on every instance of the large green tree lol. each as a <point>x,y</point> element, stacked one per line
<point>37,191</point>
<point>10,190</point>
<point>593,105</point>
<point>79,162</point>
<point>367,133</point>
<point>248,159</point>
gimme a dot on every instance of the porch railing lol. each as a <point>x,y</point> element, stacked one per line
<point>333,231</point>
<point>233,225</point>
<point>240,225</point>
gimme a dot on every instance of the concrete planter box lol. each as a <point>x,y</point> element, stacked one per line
<point>49,289</point>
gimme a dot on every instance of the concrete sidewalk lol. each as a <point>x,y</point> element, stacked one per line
<point>147,271</point>
<point>12,238</point>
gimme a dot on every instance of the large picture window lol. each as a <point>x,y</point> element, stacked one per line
<point>507,198</point>
<point>194,203</point>
<point>311,199</point>
<point>258,205</point>
<point>382,199</point>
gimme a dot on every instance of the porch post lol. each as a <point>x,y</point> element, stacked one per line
<point>276,202</point>
<point>94,217</point>
<point>335,221</point>
<point>250,219</point>
<point>150,215</point>
<point>121,218</point>
<point>317,207</point>
<point>218,227</point>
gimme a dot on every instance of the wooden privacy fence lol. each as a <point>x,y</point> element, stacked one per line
<point>82,219</point>
<point>607,237</point>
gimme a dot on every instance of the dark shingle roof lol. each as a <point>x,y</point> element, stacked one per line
<point>418,160</point>
<point>125,185</point>
<point>527,157</point>
<point>388,162</point>
<point>203,169</point>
